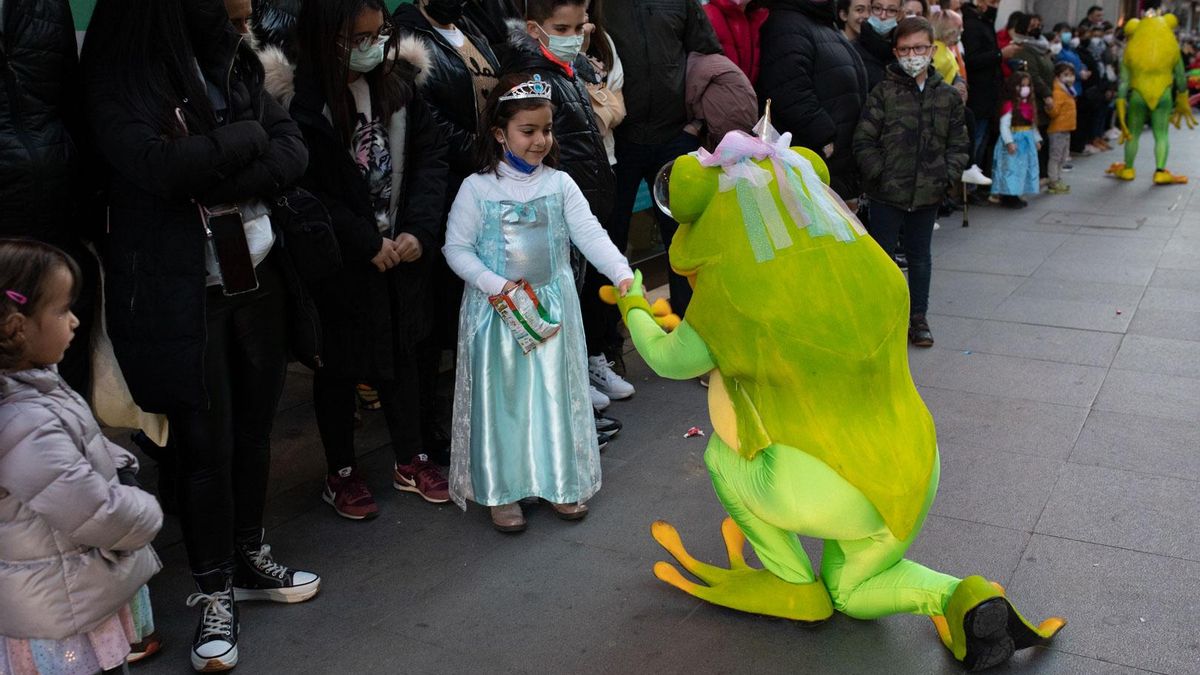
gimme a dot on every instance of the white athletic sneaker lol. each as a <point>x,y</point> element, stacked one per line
<point>599,400</point>
<point>1112,134</point>
<point>974,176</point>
<point>606,381</point>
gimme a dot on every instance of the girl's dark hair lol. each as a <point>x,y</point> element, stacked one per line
<point>25,266</point>
<point>1013,19</point>
<point>323,41</point>
<point>598,46</point>
<point>145,52</point>
<point>538,11</point>
<point>1012,87</point>
<point>924,7</point>
<point>497,114</point>
<point>1062,67</point>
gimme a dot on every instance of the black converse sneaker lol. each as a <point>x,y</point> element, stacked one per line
<point>214,648</point>
<point>256,576</point>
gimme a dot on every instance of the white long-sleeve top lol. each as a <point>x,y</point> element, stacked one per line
<point>466,223</point>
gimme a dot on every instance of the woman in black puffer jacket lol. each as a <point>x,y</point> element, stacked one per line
<point>176,104</point>
<point>816,82</point>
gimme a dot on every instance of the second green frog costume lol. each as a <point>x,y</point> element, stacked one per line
<point>819,431</point>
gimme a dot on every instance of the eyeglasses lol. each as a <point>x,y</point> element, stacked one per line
<point>885,12</point>
<point>918,50</point>
<point>364,41</point>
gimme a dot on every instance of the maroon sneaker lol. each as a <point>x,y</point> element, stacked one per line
<point>348,494</point>
<point>424,478</point>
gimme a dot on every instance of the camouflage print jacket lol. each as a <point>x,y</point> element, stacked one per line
<point>911,144</point>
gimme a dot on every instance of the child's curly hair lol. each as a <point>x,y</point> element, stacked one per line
<point>25,265</point>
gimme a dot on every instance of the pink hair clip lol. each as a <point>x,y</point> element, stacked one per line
<point>16,297</point>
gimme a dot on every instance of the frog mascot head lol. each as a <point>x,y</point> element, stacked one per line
<point>1151,69</point>
<point>801,320</point>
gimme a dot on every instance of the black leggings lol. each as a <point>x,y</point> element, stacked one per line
<point>224,453</point>
<point>399,399</point>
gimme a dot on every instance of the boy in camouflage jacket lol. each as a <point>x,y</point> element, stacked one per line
<point>911,145</point>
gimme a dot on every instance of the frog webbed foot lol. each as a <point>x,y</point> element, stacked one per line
<point>739,586</point>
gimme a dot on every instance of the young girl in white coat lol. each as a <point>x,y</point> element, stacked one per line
<point>523,422</point>
<point>74,532</point>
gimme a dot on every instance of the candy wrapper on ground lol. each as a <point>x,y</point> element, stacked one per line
<point>524,315</point>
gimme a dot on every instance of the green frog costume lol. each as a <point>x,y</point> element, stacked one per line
<point>819,431</point>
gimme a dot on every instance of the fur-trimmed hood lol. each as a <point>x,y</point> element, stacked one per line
<point>411,57</point>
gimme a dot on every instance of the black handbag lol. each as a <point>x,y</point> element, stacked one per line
<point>306,230</point>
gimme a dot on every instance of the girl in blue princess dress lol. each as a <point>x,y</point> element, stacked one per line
<point>523,422</point>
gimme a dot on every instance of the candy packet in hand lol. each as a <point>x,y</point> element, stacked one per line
<point>525,316</point>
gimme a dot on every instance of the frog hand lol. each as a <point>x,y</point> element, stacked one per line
<point>1183,112</point>
<point>1122,104</point>
<point>635,298</point>
<point>740,587</point>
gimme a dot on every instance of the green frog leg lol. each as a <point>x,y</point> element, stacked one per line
<point>1136,117</point>
<point>1160,122</point>
<point>783,492</point>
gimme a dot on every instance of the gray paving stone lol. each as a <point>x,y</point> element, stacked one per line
<point>969,294</point>
<point>1080,269</point>
<point>1166,323</point>
<point>1088,348</point>
<point>1010,424</point>
<point>1043,381</point>
<point>1110,250</point>
<point>1122,606</point>
<point>1181,254</point>
<point>1138,511</point>
<point>949,332</point>
<point>993,486</point>
<point>1184,299</point>
<point>1159,355</point>
<point>1077,218</point>
<point>1169,278</point>
<point>1071,304</point>
<point>1136,443</point>
<point>1150,394</point>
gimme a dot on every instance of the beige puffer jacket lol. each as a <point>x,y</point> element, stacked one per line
<point>74,542</point>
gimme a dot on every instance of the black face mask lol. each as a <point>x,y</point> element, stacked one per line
<point>444,12</point>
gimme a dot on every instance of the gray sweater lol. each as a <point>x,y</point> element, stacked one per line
<point>74,542</point>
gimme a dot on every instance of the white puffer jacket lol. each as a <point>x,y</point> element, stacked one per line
<point>74,542</point>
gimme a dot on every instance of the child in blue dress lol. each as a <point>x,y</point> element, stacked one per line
<point>523,422</point>
<point>1015,167</point>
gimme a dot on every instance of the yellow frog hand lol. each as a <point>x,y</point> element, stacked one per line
<point>1183,112</point>
<point>661,310</point>
<point>739,587</point>
<point>1125,135</point>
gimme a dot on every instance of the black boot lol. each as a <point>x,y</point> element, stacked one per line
<point>918,331</point>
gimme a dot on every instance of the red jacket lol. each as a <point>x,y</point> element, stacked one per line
<point>738,32</point>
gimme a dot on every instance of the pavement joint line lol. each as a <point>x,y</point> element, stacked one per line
<point>1039,359</point>
<point>1016,398</point>
<point>1115,547</point>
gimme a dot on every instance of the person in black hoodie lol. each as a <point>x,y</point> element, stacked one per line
<point>462,72</point>
<point>874,43</point>
<point>379,166</point>
<point>42,129</point>
<point>550,47</point>
<point>177,108</point>
<point>981,53</point>
<point>817,83</point>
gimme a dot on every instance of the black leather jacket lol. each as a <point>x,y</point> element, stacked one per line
<point>449,90</point>
<point>581,150</point>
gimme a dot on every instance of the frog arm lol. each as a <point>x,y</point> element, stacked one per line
<point>1181,82</point>
<point>678,355</point>
<point>1125,81</point>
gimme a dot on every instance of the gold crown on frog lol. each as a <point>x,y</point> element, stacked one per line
<point>534,88</point>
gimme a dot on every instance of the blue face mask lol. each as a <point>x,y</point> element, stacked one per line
<point>518,163</point>
<point>882,26</point>
<point>564,47</point>
<point>1066,38</point>
<point>366,60</point>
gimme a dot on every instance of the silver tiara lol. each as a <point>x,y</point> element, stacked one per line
<point>534,88</point>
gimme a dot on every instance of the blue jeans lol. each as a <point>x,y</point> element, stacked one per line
<point>637,163</point>
<point>914,229</point>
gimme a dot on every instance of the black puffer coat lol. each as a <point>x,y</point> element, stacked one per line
<point>581,152</point>
<point>449,89</point>
<point>39,112</point>
<point>367,317</point>
<point>816,82</point>
<point>982,57</point>
<point>876,53</point>
<point>154,255</point>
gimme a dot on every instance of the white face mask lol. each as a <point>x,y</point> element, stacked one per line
<point>565,48</point>
<point>914,65</point>
<point>1056,48</point>
<point>1074,43</point>
<point>1024,91</point>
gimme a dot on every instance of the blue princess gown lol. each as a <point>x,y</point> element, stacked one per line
<point>523,423</point>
